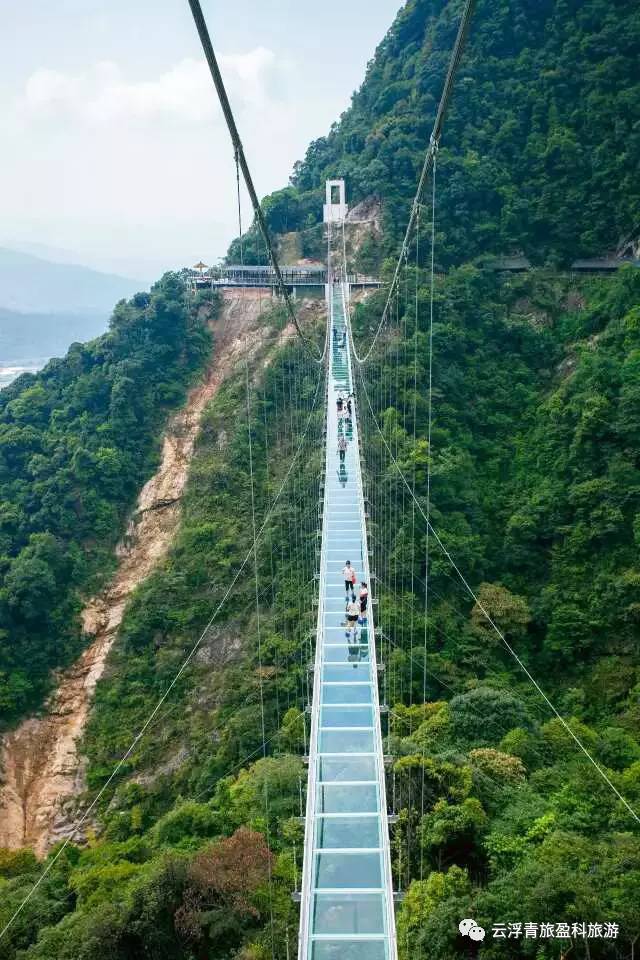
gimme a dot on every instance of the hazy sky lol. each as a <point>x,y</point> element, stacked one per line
<point>112,143</point>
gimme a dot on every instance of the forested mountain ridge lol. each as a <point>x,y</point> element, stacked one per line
<point>541,141</point>
<point>77,441</point>
<point>536,492</point>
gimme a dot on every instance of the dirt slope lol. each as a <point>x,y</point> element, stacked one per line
<point>42,772</point>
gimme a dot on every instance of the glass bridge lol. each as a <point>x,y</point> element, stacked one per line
<point>347,893</point>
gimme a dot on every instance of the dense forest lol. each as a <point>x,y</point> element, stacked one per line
<point>536,493</point>
<point>535,490</point>
<point>77,442</point>
<point>542,136</point>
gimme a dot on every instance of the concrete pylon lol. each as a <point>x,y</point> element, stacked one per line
<point>335,207</point>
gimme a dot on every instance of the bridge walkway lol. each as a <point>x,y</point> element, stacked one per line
<point>347,896</point>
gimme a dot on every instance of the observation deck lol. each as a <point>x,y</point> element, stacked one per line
<point>347,888</point>
<point>294,278</point>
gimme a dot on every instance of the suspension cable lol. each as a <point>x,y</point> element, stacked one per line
<point>259,636</point>
<point>429,470</point>
<point>434,141</point>
<point>218,82</point>
<point>239,208</point>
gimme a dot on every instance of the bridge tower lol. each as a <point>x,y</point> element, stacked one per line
<point>335,207</point>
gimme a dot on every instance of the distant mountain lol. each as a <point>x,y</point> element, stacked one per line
<point>30,284</point>
<point>53,254</point>
<point>146,271</point>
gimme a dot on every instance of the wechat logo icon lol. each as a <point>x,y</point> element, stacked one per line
<point>469,928</point>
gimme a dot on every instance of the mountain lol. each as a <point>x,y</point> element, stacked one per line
<point>30,284</point>
<point>145,270</point>
<point>541,142</point>
<point>77,441</point>
<point>29,340</point>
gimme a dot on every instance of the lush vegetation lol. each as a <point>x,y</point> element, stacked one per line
<point>541,142</point>
<point>77,441</point>
<point>181,867</point>
<point>536,493</point>
<point>499,813</point>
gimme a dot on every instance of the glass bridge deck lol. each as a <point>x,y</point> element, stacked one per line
<point>347,898</point>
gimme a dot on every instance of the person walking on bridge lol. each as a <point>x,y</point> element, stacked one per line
<point>350,578</point>
<point>342,448</point>
<point>353,612</point>
<point>348,424</point>
<point>364,599</point>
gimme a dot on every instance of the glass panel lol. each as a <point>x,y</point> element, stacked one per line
<point>345,693</point>
<point>349,950</point>
<point>349,913</point>
<point>344,653</point>
<point>348,832</point>
<point>346,741</point>
<point>347,768</point>
<point>336,798</point>
<point>348,870</point>
<point>346,717</point>
<point>334,619</point>
<point>357,671</point>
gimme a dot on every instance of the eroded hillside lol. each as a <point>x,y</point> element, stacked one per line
<point>42,770</point>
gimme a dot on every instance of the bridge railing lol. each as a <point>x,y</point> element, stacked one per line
<point>261,276</point>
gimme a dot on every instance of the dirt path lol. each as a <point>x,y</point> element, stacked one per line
<point>41,769</point>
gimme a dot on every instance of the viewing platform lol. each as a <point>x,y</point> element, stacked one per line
<point>304,277</point>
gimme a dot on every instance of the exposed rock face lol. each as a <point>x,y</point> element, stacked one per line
<point>363,223</point>
<point>367,211</point>
<point>42,772</point>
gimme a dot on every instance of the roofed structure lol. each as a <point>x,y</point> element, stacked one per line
<point>602,265</point>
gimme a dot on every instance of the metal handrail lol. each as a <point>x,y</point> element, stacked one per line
<point>384,823</point>
<point>308,860</point>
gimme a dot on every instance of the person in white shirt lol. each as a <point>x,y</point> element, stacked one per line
<point>353,612</point>
<point>350,578</point>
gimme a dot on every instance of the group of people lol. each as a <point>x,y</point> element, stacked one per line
<point>356,609</point>
<point>344,406</point>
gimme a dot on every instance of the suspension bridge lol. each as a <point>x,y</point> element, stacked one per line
<point>350,882</point>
